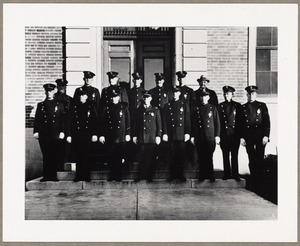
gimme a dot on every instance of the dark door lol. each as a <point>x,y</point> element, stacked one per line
<point>153,56</point>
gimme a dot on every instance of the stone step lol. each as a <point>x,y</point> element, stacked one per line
<point>156,184</point>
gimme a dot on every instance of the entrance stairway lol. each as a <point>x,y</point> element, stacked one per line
<point>99,180</point>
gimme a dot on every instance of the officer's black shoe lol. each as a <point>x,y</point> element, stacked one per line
<point>182,179</point>
<point>43,180</point>
<point>110,179</point>
<point>54,180</point>
<point>212,179</point>
<point>118,179</point>
<point>137,180</point>
<point>87,180</point>
<point>201,179</point>
<point>149,180</point>
<point>76,180</point>
<point>225,178</point>
<point>170,179</point>
<point>237,179</point>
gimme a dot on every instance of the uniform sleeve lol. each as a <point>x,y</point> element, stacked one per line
<point>217,123</point>
<point>101,122</point>
<point>124,96</point>
<point>76,96</point>
<point>97,94</point>
<point>214,98</point>
<point>158,124</point>
<point>69,118</point>
<point>266,121</point>
<point>187,119</point>
<point>193,121</point>
<point>164,119</point>
<point>94,118</point>
<point>243,126</point>
<point>37,119</point>
<point>127,122</point>
<point>239,120</point>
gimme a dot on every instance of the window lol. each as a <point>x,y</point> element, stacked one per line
<point>266,60</point>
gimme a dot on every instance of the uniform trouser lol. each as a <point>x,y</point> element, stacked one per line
<point>49,148</point>
<point>61,154</point>
<point>256,152</point>
<point>205,152</point>
<point>82,147</point>
<point>230,146</point>
<point>116,153</point>
<point>146,159</point>
<point>177,150</point>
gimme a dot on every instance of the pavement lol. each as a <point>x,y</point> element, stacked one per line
<point>145,202</point>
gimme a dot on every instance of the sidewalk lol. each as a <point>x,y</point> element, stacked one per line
<point>134,203</point>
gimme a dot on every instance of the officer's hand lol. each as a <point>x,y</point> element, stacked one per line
<point>265,140</point>
<point>102,139</point>
<point>36,135</point>
<point>243,142</point>
<point>127,138</point>
<point>186,137</point>
<point>94,138</point>
<point>165,137</point>
<point>61,135</point>
<point>217,139</point>
<point>157,140</point>
<point>69,139</point>
<point>134,140</point>
<point>192,141</point>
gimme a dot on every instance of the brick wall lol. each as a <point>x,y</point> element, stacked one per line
<point>227,59</point>
<point>43,64</point>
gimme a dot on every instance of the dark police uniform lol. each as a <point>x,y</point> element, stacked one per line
<point>205,127</point>
<point>147,126</point>
<point>176,123</point>
<point>82,125</point>
<point>92,92</point>
<point>135,98</point>
<point>256,125</point>
<point>66,100</point>
<point>160,97</point>
<point>49,123</point>
<point>231,119</point>
<point>106,93</point>
<point>114,126</point>
<point>187,93</point>
<point>213,98</point>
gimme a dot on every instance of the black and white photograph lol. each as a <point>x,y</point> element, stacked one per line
<point>173,122</point>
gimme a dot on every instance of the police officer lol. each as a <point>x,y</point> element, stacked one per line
<point>136,93</point>
<point>176,130</point>
<point>113,86</point>
<point>48,129</point>
<point>66,100</point>
<point>82,131</point>
<point>147,134</point>
<point>187,93</point>
<point>135,97</point>
<point>205,134</point>
<point>213,99</point>
<point>230,113</point>
<point>160,95</point>
<point>92,92</point>
<point>115,131</point>
<point>255,134</point>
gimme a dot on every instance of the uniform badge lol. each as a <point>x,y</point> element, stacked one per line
<point>181,109</point>
<point>209,114</point>
<point>185,96</point>
<point>152,114</point>
<point>55,109</point>
<point>258,111</point>
<point>121,113</point>
<point>88,113</point>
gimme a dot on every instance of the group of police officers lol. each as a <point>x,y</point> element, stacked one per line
<point>146,119</point>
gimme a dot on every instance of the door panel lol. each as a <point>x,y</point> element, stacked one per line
<point>118,56</point>
<point>152,66</point>
<point>153,56</point>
